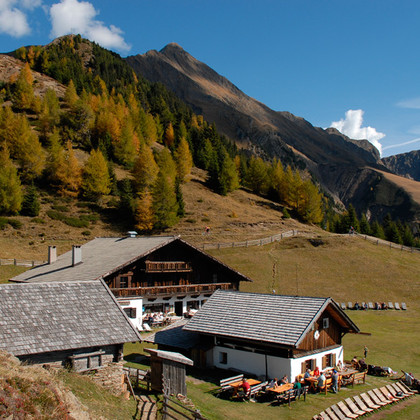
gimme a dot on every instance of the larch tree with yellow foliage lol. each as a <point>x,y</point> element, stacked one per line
<point>95,180</point>
<point>11,194</point>
<point>144,216</point>
<point>184,160</point>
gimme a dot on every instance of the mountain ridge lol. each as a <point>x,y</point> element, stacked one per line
<point>332,158</point>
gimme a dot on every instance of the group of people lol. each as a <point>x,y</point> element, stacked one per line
<point>362,306</point>
<point>276,382</point>
<point>321,378</point>
<point>381,306</point>
<point>154,318</point>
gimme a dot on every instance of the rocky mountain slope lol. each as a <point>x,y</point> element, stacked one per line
<point>347,169</point>
<point>405,164</point>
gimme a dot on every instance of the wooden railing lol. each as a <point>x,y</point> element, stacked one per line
<point>168,266</point>
<point>170,290</point>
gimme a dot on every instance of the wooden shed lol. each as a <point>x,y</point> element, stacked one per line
<point>168,371</point>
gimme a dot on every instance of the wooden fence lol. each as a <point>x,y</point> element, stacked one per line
<point>253,242</point>
<point>23,263</point>
<point>172,409</point>
<point>388,244</point>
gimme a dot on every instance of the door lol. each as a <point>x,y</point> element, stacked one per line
<point>178,308</point>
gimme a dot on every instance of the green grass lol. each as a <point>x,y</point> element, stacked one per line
<point>347,270</point>
<point>9,271</point>
<point>100,402</point>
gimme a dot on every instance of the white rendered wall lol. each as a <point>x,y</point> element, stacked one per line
<point>133,303</point>
<point>255,363</point>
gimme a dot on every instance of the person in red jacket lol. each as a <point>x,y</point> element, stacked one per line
<point>246,388</point>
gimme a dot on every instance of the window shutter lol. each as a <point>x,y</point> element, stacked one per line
<point>324,362</point>
<point>303,367</point>
<point>133,313</point>
<point>313,364</point>
<point>334,359</point>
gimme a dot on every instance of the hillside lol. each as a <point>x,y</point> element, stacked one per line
<point>405,164</point>
<point>242,215</point>
<point>346,168</point>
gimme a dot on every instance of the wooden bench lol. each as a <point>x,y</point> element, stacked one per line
<point>359,378</point>
<point>255,389</point>
<point>225,383</point>
<point>327,386</point>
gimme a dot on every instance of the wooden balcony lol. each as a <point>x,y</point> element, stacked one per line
<point>168,267</point>
<point>160,291</point>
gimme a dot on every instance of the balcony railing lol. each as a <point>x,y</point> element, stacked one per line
<point>168,267</point>
<point>156,291</point>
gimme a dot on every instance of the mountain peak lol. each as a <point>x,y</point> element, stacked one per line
<point>172,46</point>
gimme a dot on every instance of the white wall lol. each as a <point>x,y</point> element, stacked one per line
<point>133,303</point>
<point>255,363</point>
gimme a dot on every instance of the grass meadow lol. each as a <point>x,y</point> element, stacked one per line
<point>344,268</point>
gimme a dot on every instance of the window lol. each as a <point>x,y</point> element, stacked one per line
<point>214,277</point>
<point>123,282</point>
<point>308,364</point>
<point>131,312</point>
<point>223,358</point>
<point>325,323</point>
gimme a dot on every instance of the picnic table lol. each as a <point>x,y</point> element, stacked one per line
<point>279,389</point>
<point>238,384</point>
<point>313,382</point>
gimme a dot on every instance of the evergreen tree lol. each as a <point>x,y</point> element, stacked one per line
<point>55,159</point>
<point>377,230</point>
<point>364,226</point>
<point>352,218</point>
<point>127,204</point>
<point>49,116</point>
<point>166,164</point>
<point>10,188</point>
<point>95,182</point>
<point>165,207</point>
<point>30,204</point>
<point>257,177</point>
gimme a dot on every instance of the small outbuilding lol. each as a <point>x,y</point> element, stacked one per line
<point>74,324</point>
<point>168,371</point>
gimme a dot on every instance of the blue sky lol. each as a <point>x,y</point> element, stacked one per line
<point>352,64</point>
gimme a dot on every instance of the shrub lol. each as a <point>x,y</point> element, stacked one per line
<point>191,221</point>
<point>286,214</point>
<point>3,222</point>
<point>39,220</point>
<point>55,215</point>
<point>86,233</point>
<point>75,222</point>
<point>16,224</point>
<point>60,207</point>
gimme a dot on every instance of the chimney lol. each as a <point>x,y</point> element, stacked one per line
<point>52,254</point>
<point>76,255</point>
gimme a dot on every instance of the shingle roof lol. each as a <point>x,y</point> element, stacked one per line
<point>174,336</point>
<point>170,355</point>
<point>100,257</point>
<point>44,317</point>
<point>277,319</point>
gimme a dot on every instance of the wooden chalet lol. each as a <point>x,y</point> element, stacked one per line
<point>266,335</point>
<point>146,274</point>
<point>57,324</point>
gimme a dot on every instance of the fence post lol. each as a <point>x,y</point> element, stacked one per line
<point>14,261</point>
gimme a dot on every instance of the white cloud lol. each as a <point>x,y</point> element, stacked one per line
<point>413,103</point>
<point>13,21</point>
<point>351,126</point>
<point>78,17</point>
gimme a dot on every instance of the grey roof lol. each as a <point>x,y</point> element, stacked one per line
<point>45,317</point>
<point>174,336</point>
<point>276,319</point>
<point>170,355</point>
<point>100,257</point>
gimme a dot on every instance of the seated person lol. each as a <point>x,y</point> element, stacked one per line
<point>273,383</point>
<point>307,375</point>
<point>339,365</point>
<point>298,386</point>
<point>316,372</point>
<point>321,381</point>
<point>355,362</point>
<point>362,365</point>
<point>384,306</point>
<point>284,380</point>
<point>246,388</point>
<point>356,305</point>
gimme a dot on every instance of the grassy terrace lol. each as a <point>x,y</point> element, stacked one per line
<point>347,269</point>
